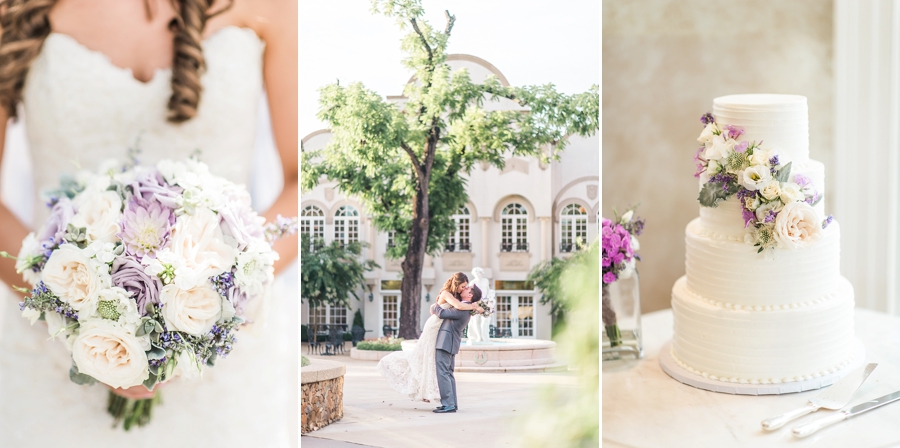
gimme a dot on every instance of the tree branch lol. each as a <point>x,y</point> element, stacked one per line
<point>424,41</point>
<point>415,160</point>
<point>450,21</point>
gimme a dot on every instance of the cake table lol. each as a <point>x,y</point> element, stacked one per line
<point>645,407</point>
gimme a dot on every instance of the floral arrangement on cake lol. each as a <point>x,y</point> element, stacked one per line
<point>619,243</point>
<point>144,273</point>
<point>777,207</point>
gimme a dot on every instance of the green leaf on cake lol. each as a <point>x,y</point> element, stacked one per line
<point>784,173</point>
<point>712,192</point>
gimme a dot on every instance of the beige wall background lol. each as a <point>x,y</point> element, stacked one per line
<point>663,63</point>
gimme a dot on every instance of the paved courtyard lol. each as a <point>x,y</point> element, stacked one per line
<point>377,416</point>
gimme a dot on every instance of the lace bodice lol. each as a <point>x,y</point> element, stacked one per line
<point>80,109</point>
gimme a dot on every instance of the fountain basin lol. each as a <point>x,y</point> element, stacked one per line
<point>504,355</point>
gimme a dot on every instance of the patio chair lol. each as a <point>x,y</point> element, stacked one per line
<point>358,333</point>
<point>336,339</point>
<point>313,343</point>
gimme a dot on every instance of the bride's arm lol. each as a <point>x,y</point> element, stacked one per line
<point>455,303</point>
<point>13,230</point>
<point>276,23</point>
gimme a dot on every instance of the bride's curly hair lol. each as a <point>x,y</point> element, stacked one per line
<point>25,27</point>
<point>452,283</point>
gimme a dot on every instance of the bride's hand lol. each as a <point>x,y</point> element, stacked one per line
<point>138,392</point>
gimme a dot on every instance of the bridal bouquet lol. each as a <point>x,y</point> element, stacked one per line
<point>488,309</point>
<point>144,274</point>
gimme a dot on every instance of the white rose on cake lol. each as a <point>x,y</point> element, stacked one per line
<point>99,214</point>
<point>708,133</point>
<point>790,192</point>
<point>719,148</point>
<point>74,277</point>
<point>195,310</point>
<point>110,353</point>
<point>797,225</point>
<point>754,177</point>
<point>771,190</point>
<point>760,157</point>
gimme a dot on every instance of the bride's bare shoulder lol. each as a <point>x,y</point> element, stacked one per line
<point>271,19</point>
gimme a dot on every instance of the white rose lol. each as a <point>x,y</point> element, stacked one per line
<point>797,225</point>
<point>713,167</point>
<point>790,192</point>
<point>30,247</point>
<point>763,210</point>
<point>771,190</point>
<point>719,149</point>
<point>760,157</point>
<point>75,278</point>
<point>31,314</point>
<point>754,177</point>
<point>752,202</point>
<point>110,354</point>
<point>200,249</point>
<point>255,268</point>
<point>195,310</point>
<point>55,323</point>
<point>708,133</point>
<point>99,213</point>
<point>186,366</point>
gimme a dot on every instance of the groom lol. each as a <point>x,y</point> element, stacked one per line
<point>448,340</point>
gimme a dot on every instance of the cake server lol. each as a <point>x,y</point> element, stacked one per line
<point>815,425</point>
<point>835,397</point>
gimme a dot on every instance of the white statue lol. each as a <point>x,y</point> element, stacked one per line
<point>477,330</point>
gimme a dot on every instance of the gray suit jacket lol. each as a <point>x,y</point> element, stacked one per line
<point>450,335</point>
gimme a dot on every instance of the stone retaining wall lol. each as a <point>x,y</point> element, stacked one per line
<point>322,394</point>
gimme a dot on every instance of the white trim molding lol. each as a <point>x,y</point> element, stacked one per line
<point>867,147</point>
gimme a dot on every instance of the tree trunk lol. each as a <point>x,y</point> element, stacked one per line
<point>411,287</point>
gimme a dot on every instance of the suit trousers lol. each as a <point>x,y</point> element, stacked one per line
<point>446,380</point>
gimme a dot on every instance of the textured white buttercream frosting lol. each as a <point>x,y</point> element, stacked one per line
<point>780,121</point>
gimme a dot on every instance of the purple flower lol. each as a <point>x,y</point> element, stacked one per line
<point>813,199</point>
<point>241,222</point>
<point>733,131</point>
<point>150,185</point>
<point>741,147</point>
<point>770,216</point>
<point>145,227</point>
<point>609,277</point>
<point>802,180</point>
<point>127,273</point>
<point>773,161</point>
<point>238,299</point>
<point>55,226</point>
<point>707,118</point>
<point>827,221</point>
<point>606,262</point>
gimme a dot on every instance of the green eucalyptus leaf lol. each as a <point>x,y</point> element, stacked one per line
<point>156,352</point>
<point>783,174</point>
<point>80,378</point>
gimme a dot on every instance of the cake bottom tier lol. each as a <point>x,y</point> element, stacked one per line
<point>765,346</point>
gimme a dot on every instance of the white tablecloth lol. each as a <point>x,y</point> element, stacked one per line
<point>644,407</point>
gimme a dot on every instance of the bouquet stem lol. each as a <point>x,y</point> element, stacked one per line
<point>131,412</point>
<point>609,320</point>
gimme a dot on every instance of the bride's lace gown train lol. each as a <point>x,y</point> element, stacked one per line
<point>79,110</point>
<point>414,373</point>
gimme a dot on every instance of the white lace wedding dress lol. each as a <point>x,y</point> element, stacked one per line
<point>79,110</point>
<point>414,373</point>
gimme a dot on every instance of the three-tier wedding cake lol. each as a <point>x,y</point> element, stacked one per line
<point>763,300</point>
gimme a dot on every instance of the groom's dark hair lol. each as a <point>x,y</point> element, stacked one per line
<point>476,294</point>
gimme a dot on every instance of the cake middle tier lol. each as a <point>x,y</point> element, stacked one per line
<point>733,273</point>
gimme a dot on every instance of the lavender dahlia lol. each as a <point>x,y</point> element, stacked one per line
<point>146,226</point>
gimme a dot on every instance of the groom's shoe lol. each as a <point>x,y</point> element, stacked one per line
<point>444,409</point>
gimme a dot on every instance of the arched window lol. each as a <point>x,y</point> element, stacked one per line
<point>312,222</point>
<point>346,225</point>
<point>514,228</point>
<point>459,239</point>
<point>573,227</point>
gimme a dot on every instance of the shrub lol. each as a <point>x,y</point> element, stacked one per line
<point>304,361</point>
<point>386,344</point>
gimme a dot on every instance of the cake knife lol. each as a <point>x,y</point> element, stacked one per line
<point>835,397</point>
<point>815,425</point>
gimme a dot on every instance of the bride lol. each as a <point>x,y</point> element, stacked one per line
<point>414,373</point>
<point>91,79</point>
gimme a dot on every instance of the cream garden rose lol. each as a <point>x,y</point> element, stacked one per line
<point>74,277</point>
<point>771,190</point>
<point>790,192</point>
<point>198,244</point>
<point>110,353</point>
<point>797,225</point>
<point>195,310</point>
<point>99,213</point>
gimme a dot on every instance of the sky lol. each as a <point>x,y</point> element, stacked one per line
<point>529,41</point>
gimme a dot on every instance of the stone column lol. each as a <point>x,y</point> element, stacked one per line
<point>545,226</point>
<point>485,242</point>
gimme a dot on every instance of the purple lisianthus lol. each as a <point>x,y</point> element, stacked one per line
<point>733,131</point>
<point>741,147</point>
<point>129,274</point>
<point>145,227</point>
<point>802,180</point>
<point>55,226</point>
<point>150,185</point>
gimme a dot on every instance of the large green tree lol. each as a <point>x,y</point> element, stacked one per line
<point>405,161</point>
<point>331,274</point>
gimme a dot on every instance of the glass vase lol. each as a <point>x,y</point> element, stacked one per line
<point>621,313</point>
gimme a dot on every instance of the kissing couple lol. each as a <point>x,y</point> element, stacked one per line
<point>426,372</point>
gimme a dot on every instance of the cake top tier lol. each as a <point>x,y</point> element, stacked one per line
<point>780,121</point>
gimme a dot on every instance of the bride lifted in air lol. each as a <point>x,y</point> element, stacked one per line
<point>414,373</point>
